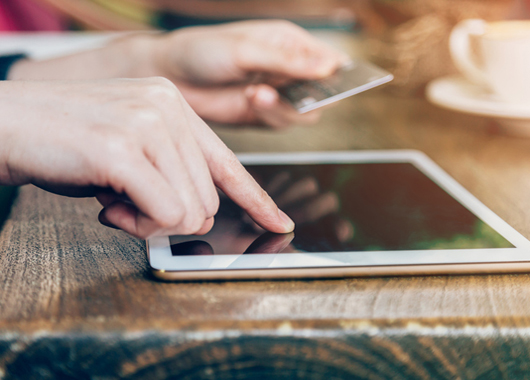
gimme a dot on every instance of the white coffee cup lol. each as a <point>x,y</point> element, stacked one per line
<point>502,60</point>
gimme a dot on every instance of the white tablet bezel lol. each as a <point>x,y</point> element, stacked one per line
<point>167,266</point>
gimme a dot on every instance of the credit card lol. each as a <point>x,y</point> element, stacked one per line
<point>359,76</point>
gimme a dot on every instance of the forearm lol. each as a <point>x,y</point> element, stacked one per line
<point>128,57</point>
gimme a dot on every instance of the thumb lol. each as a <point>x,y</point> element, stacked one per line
<point>262,96</point>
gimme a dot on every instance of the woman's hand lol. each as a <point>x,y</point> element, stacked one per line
<point>227,73</point>
<point>135,144</point>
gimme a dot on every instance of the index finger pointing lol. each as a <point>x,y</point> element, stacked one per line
<point>231,177</point>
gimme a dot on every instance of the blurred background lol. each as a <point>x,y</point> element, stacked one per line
<point>407,37</point>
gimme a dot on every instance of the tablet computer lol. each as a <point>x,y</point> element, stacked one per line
<point>366,213</point>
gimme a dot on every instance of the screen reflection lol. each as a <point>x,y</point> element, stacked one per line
<point>346,207</point>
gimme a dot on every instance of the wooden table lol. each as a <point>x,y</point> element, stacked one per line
<point>77,300</point>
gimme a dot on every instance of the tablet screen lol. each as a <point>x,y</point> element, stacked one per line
<point>347,207</point>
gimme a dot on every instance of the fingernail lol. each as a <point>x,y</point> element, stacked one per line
<point>266,97</point>
<point>287,222</point>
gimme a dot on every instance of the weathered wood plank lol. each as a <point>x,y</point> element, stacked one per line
<point>297,354</point>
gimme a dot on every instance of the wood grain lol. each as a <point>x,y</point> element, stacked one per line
<point>77,300</point>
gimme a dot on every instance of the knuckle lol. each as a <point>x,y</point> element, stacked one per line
<point>147,118</point>
<point>211,205</point>
<point>227,172</point>
<point>193,224</point>
<point>261,202</point>
<point>119,145</point>
<point>230,163</point>
<point>262,198</point>
<point>223,164</point>
<point>171,220</point>
<point>159,89</point>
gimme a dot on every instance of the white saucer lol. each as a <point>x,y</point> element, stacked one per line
<point>457,93</point>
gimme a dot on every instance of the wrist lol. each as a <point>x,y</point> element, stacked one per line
<point>127,57</point>
<point>150,55</point>
<point>166,53</point>
<point>135,55</point>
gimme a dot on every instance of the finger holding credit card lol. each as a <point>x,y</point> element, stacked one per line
<point>275,113</point>
<point>353,78</point>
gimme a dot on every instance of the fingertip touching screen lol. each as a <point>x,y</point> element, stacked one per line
<point>346,207</point>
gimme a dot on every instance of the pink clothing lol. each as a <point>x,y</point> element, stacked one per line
<point>29,15</point>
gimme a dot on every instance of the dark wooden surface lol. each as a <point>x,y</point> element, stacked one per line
<point>77,300</point>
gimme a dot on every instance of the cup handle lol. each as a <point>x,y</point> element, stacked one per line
<point>460,48</point>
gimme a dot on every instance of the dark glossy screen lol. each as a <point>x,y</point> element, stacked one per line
<point>347,207</point>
